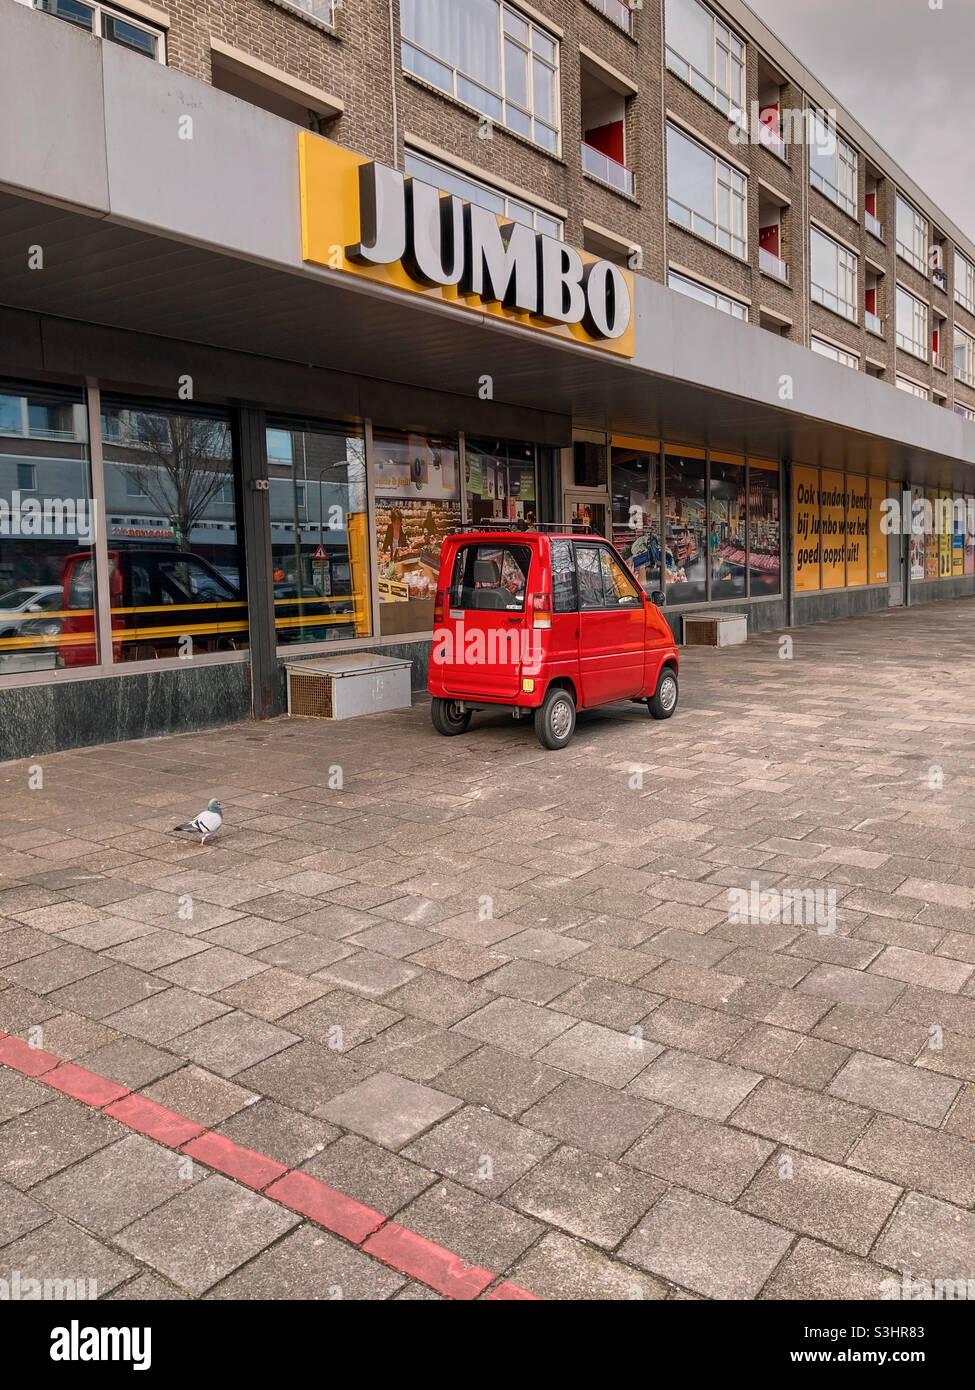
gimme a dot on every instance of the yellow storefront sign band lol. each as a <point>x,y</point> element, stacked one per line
<point>597,294</point>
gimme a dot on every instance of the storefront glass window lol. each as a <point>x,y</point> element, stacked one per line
<point>175,564</point>
<point>319,533</point>
<point>47,586</point>
<point>417,489</point>
<point>685,515</point>
<point>500,481</point>
<point>932,553</point>
<point>636,511</point>
<point>765,554</point>
<point>727,526</point>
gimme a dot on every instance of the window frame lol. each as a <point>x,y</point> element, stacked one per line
<point>920,232</point>
<point>918,347</point>
<point>732,302</point>
<point>721,42</point>
<point>845,160</point>
<point>554,65</point>
<point>98,11</point>
<point>730,192</point>
<point>847,269</point>
<point>965,341</point>
<point>845,357</point>
<point>506,199</point>
<point>965,296</point>
<point>912,388</point>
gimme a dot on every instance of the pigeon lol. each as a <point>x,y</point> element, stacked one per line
<point>207,823</point>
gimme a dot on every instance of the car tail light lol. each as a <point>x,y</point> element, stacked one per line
<point>438,607</point>
<point>541,610</point>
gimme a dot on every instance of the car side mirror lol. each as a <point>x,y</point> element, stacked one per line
<point>658,597</point>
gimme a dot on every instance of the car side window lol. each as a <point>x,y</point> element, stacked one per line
<point>563,577</point>
<point>590,572</point>
<point>620,586</point>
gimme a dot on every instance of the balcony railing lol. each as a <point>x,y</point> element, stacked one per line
<point>607,170</point>
<point>940,278</point>
<point>770,136</point>
<point>873,323</point>
<point>873,225</point>
<point>616,10</point>
<point>938,360</point>
<point>773,265</point>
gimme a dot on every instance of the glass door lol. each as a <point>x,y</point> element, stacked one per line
<point>581,509</point>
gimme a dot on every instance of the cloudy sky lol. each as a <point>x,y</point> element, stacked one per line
<point>904,70</point>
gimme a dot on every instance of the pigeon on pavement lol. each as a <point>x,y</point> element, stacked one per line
<point>207,823</point>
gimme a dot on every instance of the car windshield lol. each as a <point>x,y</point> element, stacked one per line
<point>13,598</point>
<point>491,577</point>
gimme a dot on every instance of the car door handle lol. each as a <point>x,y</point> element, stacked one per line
<point>514,620</point>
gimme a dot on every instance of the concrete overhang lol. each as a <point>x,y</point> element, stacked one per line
<point>196,238</point>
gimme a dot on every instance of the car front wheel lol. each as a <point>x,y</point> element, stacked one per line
<point>555,719</point>
<point>449,717</point>
<point>664,701</point>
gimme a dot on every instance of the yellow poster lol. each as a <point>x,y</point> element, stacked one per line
<point>944,536</point>
<point>834,530</point>
<point>932,550</point>
<point>805,517</point>
<point>857,529</point>
<point>878,539</point>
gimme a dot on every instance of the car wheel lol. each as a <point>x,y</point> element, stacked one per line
<point>555,719</point>
<point>664,702</point>
<point>449,717</point>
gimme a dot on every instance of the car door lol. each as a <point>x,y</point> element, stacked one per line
<point>612,627</point>
<point>486,620</point>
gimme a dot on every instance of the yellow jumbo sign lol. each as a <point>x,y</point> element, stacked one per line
<point>366,219</point>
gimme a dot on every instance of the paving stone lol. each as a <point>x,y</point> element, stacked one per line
<point>109,990</point>
<point>64,1255</point>
<point>210,970</point>
<point>41,1141</point>
<point>955,1057</point>
<point>130,1062</point>
<point>68,1035</point>
<point>791,1115</point>
<point>590,1197</point>
<point>372,1175</point>
<point>303,1077</point>
<point>703,1087</point>
<point>165,1015</point>
<point>927,1006</point>
<point>117,1185</point>
<point>699,1154</point>
<point>388,1109</point>
<point>367,974</point>
<point>503,1082</point>
<point>593,1117</point>
<point>271,994</point>
<point>480,1231</point>
<point>866,1030</point>
<point>20,1010</point>
<point>821,1199</point>
<point>942,1165</point>
<point>846,986</point>
<point>930,1239</point>
<point>340,1019</point>
<point>782,1008</point>
<point>608,1002</point>
<point>814,1272</point>
<point>961,1117</point>
<point>311,1264</point>
<point>693,1029</point>
<point>587,1049</point>
<point>480,1150</point>
<point>530,981</point>
<point>512,1024</point>
<point>396,939</point>
<point>155,950</point>
<point>909,1092</point>
<point>460,959</point>
<point>48,972</point>
<point>561,1268</point>
<point>543,945</point>
<point>789,1056</point>
<point>199,1095</point>
<point>145,1289</point>
<point>301,954</point>
<point>705,1246</point>
<point>202,1235</point>
<point>18,1215</point>
<point>916,968</point>
<point>229,1044</point>
<point>413,1048</point>
<point>283,1134</point>
<point>18,1094</point>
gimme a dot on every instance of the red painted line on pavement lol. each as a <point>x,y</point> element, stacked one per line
<point>84,1085</point>
<point>248,1167</point>
<point>415,1255</point>
<point>326,1206</point>
<point>154,1121</point>
<point>372,1231</point>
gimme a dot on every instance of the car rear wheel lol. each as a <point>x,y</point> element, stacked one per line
<point>449,717</point>
<point>664,702</point>
<point>555,719</point>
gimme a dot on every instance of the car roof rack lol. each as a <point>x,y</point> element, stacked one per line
<point>560,527</point>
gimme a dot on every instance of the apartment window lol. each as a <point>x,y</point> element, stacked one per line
<point>965,411</point>
<point>27,477</point>
<point>703,51</point>
<point>913,388</point>
<point>704,193</point>
<point>912,236</point>
<point>833,275</point>
<point>482,195</point>
<point>964,282</point>
<point>912,324</point>
<point>964,357</point>
<point>833,165</point>
<point>489,56</point>
<point>618,11</point>
<point>714,298</point>
<point>835,354</point>
<point>108,23</point>
<point>322,10</point>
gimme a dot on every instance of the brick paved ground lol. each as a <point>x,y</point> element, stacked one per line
<point>495,992</point>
